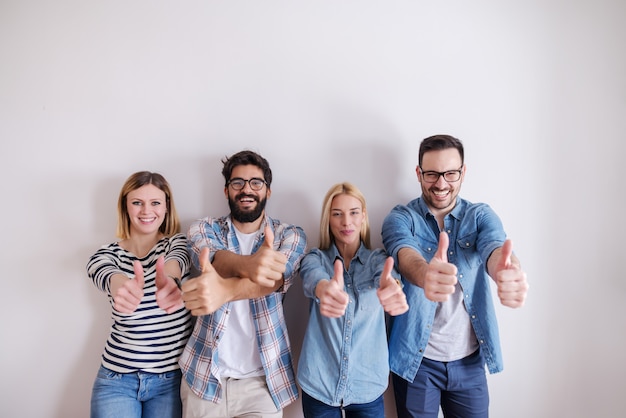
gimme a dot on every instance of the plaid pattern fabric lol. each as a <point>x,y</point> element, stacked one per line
<point>199,361</point>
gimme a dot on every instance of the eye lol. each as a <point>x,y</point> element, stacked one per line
<point>136,203</point>
<point>156,203</point>
<point>256,183</point>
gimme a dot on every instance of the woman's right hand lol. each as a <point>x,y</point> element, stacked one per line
<point>127,292</point>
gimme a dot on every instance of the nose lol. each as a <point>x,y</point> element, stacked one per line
<point>247,187</point>
<point>441,182</point>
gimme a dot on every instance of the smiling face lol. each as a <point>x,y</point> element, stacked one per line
<point>246,205</point>
<point>440,197</point>
<point>146,208</point>
<point>346,217</point>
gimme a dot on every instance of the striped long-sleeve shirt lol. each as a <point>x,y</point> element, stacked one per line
<point>199,362</point>
<point>148,339</point>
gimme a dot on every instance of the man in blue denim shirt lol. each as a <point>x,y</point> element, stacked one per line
<point>446,248</point>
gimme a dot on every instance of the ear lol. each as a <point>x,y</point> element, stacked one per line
<point>268,193</point>
<point>226,192</point>
<point>419,173</point>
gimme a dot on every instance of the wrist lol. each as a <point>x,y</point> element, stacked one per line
<point>176,280</point>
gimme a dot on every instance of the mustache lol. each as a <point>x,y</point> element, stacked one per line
<point>250,196</point>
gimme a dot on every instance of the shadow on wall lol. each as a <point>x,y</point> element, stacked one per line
<point>102,202</point>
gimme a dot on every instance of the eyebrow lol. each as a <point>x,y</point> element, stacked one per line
<point>136,199</point>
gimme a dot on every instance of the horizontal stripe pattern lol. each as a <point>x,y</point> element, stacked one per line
<point>148,339</point>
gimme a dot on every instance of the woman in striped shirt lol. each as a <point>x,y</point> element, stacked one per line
<point>141,274</point>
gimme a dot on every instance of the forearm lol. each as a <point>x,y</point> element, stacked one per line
<point>412,266</point>
<point>240,289</point>
<point>172,269</point>
<point>229,264</point>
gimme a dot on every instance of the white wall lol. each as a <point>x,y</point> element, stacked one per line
<point>327,91</point>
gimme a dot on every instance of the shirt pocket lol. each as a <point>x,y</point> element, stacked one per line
<point>467,249</point>
<point>427,247</point>
<point>366,297</point>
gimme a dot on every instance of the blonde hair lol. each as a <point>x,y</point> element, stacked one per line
<point>171,223</point>
<point>349,189</point>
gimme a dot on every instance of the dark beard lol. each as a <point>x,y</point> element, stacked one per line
<point>248,215</point>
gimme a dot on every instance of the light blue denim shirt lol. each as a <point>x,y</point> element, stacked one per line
<point>475,231</point>
<point>344,360</point>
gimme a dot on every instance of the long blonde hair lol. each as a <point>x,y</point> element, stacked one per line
<point>349,189</point>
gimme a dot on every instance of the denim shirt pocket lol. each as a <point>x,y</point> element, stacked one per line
<point>366,296</point>
<point>467,247</point>
<point>427,247</point>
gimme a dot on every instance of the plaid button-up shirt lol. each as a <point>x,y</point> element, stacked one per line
<point>199,362</point>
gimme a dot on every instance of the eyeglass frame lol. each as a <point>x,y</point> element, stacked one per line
<point>441,174</point>
<point>249,181</point>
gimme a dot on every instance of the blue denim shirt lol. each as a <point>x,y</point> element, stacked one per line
<point>475,231</point>
<point>344,360</point>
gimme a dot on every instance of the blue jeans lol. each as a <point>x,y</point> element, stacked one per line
<point>136,395</point>
<point>459,387</point>
<point>313,408</point>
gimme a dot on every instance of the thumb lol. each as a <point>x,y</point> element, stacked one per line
<point>205,264</point>
<point>138,268</point>
<point>159,279</point>
<point>386,277</point>
<point>338,274</point>
<point>505,255</point>
<point>269,237</point>
<point>442,249</point>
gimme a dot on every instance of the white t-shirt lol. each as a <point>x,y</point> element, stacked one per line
<point>239,349</point>
<point>452,337</point>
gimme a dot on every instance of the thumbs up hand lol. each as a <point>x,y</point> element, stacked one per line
<point>390,293</point>
<point>266,266</point>
<point>168,295</point>
<point>440,278</point>
<point>205,294</point>
<point>333,299</point>
<point>127,293</point>
<point>510,279</point>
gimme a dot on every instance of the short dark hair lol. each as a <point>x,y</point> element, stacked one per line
<point>246,158</point>
<point>440,142</point>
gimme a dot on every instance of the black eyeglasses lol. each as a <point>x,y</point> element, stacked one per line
<point>433,176</point>
<point>255,183</point>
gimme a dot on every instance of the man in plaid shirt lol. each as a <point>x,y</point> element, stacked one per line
<point>238,359</point>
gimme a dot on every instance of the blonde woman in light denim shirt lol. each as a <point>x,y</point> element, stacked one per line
<point>344,361</point>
